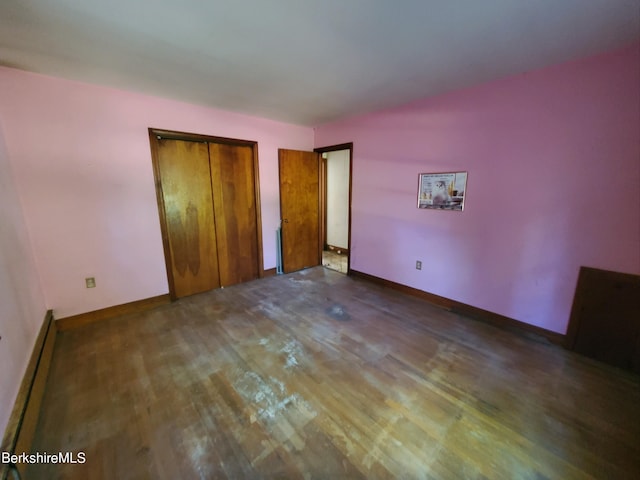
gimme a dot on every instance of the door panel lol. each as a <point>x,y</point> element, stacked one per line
<point>299,209</point>
<point>233,184</point>
<point>190,227</point>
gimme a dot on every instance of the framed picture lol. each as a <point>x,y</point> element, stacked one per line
<point>442,191</point>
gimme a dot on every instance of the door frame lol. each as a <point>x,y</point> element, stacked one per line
<point>323,194</point>
<point>154,135</point>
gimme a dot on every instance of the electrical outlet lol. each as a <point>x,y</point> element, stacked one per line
<point>91,282</point>
<point>418,265</point>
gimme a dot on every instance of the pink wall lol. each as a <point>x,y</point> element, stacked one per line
<point>22,306</point>
<point>554,183</point>
<point>82,161</point>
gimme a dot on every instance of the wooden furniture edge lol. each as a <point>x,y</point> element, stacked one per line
<point>137,306</point>
<point>576,307</point>
<point>495,319</point>
<point>23,420</point>
<point>580,297</point>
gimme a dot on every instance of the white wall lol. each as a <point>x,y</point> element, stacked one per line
<point>338,198</point>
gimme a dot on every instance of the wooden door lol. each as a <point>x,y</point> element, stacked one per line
<point>299,209</point>
<point>189,227</point>
<point>234,200</point>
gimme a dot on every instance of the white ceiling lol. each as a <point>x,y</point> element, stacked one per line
<point>304,61</point>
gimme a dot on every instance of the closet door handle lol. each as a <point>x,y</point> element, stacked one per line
<point>285,220</point>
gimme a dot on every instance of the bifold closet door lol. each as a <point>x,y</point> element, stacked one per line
<point>234,203</point>
<point>185,178</point>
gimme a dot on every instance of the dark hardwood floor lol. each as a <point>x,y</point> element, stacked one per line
<point>319,375</point>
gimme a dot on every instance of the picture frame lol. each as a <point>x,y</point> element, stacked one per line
<point>442,191</point>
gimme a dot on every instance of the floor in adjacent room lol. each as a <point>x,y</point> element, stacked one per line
<point>320,375</point>
<point>335,261</point>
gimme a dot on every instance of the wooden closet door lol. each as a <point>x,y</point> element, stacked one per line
<point>234,200</point>
<point>189,218</point>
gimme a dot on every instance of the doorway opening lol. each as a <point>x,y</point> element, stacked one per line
<point>335,206</point>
